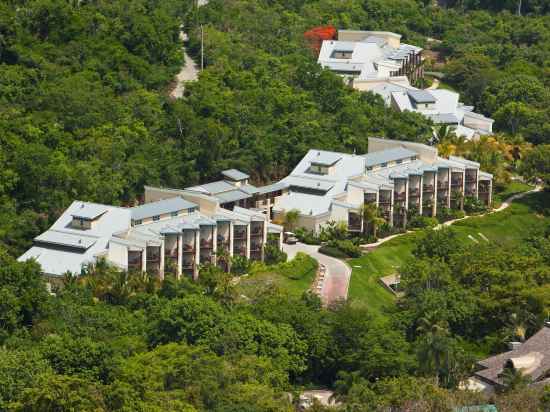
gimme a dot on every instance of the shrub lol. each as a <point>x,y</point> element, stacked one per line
<point>445,214</point>
<point>474,205</point>
<point>240,265</point>
<point>307,236</point>
<point>298,268</point>
<point>421,222</point>
<point>332,251</point>
<point>274,255</point>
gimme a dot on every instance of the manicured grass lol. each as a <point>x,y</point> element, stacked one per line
<point>513,188</point>
<point>510,226</point>
<point>292,278</point>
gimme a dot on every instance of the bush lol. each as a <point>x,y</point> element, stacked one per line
<point>307,236</point>
<point>341,249</point>
<point>444,214</point>
<point>274,255</point>
<point>240,265</point>
<point>298,268</point>
<point>473,205</point>
<point>421,222</point>
<point>332,251</point>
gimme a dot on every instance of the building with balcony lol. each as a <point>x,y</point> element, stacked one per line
<point>399,177</point>
<point>368,58</point>
<point>441,106</point>
<point>173,234</point>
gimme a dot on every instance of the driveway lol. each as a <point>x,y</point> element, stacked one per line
<point>337,277</point>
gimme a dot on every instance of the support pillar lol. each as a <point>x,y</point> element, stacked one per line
<point>144,258</point>
<point>420,197</point>
<point>197,254</point>
<point>449,176</point>
<point>248,227</point>
<point>180,256</point>
<point>434,202</point>
<point>162,253</point>
<point>214,244</point>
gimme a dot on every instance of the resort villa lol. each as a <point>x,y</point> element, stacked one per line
<point>396,176</point>
<point>378,62</point>
<point>174,229</point>
<point>180,229</point>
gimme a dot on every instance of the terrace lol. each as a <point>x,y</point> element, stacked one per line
<point>152,264</point>
<point>135,260</point>
<point>354,222</point>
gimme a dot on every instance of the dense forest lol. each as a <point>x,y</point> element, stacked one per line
<point>85,114</point>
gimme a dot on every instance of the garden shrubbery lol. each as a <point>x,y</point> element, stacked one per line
<point>473,205</point>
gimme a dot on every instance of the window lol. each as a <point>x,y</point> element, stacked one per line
<point>137,222</point>
<point>369,168</point>
<point>174,214</point>
<point>399,161</point>
<point>413,158</point>
<point>342,54</point>
<point>156,218</point>
<point>384,165</point>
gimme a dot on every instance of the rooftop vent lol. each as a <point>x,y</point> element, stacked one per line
<point>514,345</point>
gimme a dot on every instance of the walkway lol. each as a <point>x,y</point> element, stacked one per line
<point>502,207</point>
<point>338,273</point>
<point>190,69</point>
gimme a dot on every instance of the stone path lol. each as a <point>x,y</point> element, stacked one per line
<point>337,274</point>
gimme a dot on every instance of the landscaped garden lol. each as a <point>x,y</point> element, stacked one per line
<point>509,227</point>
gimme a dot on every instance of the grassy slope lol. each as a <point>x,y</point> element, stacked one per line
<point>512,189</point>
<point>293,278</point>
<point>508,226</point>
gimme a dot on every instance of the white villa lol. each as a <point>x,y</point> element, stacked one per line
<point>174,229</point>
<point>395,175</point>
<point>180,229</point>
<point>378,62</point>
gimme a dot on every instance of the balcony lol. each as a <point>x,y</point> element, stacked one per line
<point>414,192</point>
<point>257,232</point>
<point>255,247</point>
<point>239,234</point>
<point>443,185</point>
<point>207,244</point>
<point>239,250</point>
<point>471,179</point>
<point>428,188</point>
<point>399,197</point>
<point>187,264</point>
<point>134,261</point>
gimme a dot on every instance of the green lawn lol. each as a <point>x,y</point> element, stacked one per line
<point>292,278</point>
<point>509,226</point>
<point>510,190</point>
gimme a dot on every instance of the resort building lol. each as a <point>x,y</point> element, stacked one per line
<point>441,106</point>
<point>368,58</point>
<point>174,230</point>
<point>378,62</point>
<point>177,230</point>
<point>530,358</point>
<point>398,177</point>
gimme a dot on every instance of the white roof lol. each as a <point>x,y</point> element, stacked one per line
<point>62,248</point>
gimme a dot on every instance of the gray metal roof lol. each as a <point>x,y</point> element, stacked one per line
<point>466,162</point>
<point>384,156</point>
<point>308,183</point>
<point>161,207</point>
<point>421,96</point>
<point>272,188</point>
<point>444,118</point>
<point>212,188</point>
<point>250,189</point>
<point>325,158</point>
<point>232,196</point>
<point>235,174</point>
<point>89,211</point>
<point>68,239</point>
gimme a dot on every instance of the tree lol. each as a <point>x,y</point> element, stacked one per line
<point>290,219</point>
<point>434,345</point>
<point>371,218</point>
<point>536,164</point>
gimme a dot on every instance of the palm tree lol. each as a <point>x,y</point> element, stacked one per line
<point>290,219</point>
<point>434,344</point>
<point>371,217</point>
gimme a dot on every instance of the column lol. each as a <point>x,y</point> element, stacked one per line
<point>162,253</point>
<point>180,256</point>
<point>477,183</point>
<point>405,216</point>
<point>231,242</point>
<point>449,176</point>
<point>268,205</point>
<point>264,239</point>
<point>421,189</point>
<point>197,254</point>
<point>434,205</point>
<point>214,243</point>
<point>144,258</point>
<point>391,206</point>
<point>281,240</point>
<point>248,240</point>
<point>463,190</point>
<point>490,198</point>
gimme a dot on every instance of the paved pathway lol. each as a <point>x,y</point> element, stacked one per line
<point>338,273</point>
<point>190,70</point>
<point>502,207</point>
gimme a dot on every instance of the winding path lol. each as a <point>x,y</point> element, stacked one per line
<point>506,204</point>
<point>337,276</point>
<point>190,70</point>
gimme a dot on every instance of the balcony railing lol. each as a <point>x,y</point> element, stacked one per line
<point>444,184</point>
<point>428,188</point>
<point>456,182</point>
<point>255,247</point>
<point>415,192</point>
<point>471,179</point>
<point>239,235</point>
<point>400,196</point>
<point>239,250</point>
